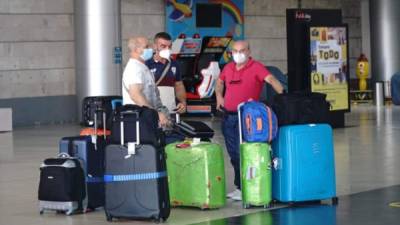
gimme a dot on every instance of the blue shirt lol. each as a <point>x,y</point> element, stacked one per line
<point>173,75</point>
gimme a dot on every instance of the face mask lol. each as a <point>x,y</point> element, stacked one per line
<point>239,58</point>
<point>165,53</point>
<point>147,54</point>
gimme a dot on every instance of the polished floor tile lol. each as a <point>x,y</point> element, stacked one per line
<point>366,208</point>
<point>366,154</point>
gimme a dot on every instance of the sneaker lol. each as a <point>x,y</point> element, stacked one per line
<point>237,196</point>
<point>233,193</point>
<point>229,195</point>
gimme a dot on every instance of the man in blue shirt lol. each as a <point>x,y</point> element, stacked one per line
<point>157,64</point>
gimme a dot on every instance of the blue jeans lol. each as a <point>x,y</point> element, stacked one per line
<point>230,130</point>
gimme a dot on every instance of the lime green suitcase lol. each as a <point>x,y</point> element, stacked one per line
<point>255,171</point>
<point>196,175</point>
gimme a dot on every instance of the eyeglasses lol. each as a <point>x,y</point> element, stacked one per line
<point>235,81</point>
<point>236,78</point>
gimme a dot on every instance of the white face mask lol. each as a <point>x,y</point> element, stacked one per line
<point>165,53</point>
<point>239,58</point>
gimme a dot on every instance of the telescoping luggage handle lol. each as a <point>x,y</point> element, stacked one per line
<point>94,136</point>
<point>131,145</point>
<point>240,122</point>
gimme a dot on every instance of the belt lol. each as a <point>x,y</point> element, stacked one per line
<point>226,112</point>
<point>231,113</point>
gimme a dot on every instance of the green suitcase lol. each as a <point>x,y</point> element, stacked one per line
<point>256,174</point>
<point>255,171</point>
<point>196,175</point>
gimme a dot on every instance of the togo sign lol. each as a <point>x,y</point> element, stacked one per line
<point>329,50</point>
<point>330,54</point>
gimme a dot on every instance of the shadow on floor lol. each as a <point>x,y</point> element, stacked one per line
<point>371,207</point>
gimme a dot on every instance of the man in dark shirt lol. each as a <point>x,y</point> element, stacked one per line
<point>157,64</point>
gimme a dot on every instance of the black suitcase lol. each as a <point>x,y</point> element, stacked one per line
<point>62,185</point>
<point>91,106</point>
<point>136,180</point>
<point>150,132</point>
<point>193,129</point>
<point>301,108</point>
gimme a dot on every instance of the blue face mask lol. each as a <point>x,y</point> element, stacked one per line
<point>147,54</point>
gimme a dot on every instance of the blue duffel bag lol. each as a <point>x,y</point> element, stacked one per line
<point>258,122</point>
<point>395,88</point>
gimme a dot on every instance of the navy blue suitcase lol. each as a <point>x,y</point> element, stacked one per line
<point>92,157</point>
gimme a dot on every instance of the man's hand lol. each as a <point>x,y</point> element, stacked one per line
<point>276,85</point>
<point>181,107</point>
<point>220,103</point>
<point>163,119</point>
<point>219,89</point>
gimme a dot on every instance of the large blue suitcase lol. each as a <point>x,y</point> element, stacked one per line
<point>92,157</point>
<point>304,164</point>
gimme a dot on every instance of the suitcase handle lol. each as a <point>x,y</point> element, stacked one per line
<point>94,137</point>
<point>240,122</point>
<point>131,147</point>
<point>115,102</point>
<point>63,155</point>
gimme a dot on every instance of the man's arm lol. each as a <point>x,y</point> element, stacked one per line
<point>219,90</point>
<point>136,94</point>
<point>180,93</point>
<point>276,85</point>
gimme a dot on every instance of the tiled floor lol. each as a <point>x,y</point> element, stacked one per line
<point>367,158</point>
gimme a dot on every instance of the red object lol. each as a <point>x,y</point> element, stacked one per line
<point>183,145</point>
<point>362,58</point>
<point>90,131</point>
<point>196,35</point>
<point>182,36</point>
<point>190,95</point>
<point>243,84</point>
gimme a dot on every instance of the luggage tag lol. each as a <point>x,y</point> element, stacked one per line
<point>131,149</point>
<point>251,172</point>
<point>277,163</point>
<point>196,141</point>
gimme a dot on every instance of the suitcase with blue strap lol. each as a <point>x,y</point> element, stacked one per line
<point>92,156</point>
<point>304,164</point>
<point>135,178</point>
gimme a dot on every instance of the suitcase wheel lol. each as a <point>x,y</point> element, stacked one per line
<point>109,217</point>
<point>335,200</point>
<point>267,206</point>
<point>246,206</point>
<point>160,219</point>
<point>41,212</point>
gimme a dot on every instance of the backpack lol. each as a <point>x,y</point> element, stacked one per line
<point>259,122</point>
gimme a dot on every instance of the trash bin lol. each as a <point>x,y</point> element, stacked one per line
<point>379,94</point>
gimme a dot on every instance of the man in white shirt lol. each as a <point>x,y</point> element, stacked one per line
<point>138,86</point>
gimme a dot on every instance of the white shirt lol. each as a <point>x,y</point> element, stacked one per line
<point>136,72</point>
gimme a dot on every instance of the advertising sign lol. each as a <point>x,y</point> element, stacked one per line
<point>329,64</point>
